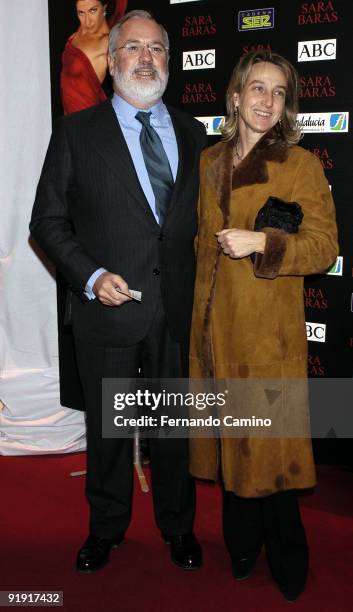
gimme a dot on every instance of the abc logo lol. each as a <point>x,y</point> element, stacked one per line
<point>316,332</point>
<point>198,60</point>
<point>316,50</point>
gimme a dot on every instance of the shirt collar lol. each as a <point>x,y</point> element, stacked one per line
<point>127,112</point>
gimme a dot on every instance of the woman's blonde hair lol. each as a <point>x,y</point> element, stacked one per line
<point>286,129</point>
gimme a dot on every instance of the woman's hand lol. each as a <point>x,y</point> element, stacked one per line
<point>239,243</point>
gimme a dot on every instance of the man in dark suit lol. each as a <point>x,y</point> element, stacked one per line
<point>116,211</point>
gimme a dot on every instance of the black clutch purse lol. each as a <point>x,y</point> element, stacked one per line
<point>282,215</point>
<point>279,214</point>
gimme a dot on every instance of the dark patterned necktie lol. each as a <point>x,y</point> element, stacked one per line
<point>157,165</point>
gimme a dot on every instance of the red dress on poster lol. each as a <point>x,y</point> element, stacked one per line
<point>80,86</point>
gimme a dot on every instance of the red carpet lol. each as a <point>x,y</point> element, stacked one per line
<point>43,520</point>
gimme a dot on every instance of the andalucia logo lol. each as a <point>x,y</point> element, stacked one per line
<point>323,122</point>
<point>338,122</point>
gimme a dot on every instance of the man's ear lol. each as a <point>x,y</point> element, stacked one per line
<point>111,65</point>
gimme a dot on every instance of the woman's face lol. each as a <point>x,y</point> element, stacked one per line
<point>90,14</point>
<point>261,103</point>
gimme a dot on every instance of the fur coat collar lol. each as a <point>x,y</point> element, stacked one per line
<point>251,170</point>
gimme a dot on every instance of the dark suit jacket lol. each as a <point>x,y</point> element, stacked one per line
<point>90,212</point>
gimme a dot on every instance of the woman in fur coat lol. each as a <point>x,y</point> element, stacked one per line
<point>248,320</point>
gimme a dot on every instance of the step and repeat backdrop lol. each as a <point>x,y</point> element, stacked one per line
<point>207,39</point>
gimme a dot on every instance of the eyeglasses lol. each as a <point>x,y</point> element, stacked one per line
<point>156,49</point>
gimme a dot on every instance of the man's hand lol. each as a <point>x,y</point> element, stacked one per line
<point>107,289</point>
<point>239,243</point>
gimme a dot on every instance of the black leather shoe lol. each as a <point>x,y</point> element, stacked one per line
<point>95,553</point>
<point>291,592</point>
<point>242,568</point>
<point>185,551</point>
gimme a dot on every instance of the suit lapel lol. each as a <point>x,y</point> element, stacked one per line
<point>109,141</point>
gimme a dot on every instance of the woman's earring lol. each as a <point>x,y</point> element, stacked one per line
<point>105,13</point>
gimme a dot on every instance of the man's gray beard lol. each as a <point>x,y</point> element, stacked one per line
<point>134,89</point>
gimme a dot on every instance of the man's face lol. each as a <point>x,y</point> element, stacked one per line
<point>140,78</point>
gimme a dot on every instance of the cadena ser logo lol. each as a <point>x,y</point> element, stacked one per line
<point>213,125</point>
<point>256,19</point>
<point>337,268</point>
<point>323,122</point>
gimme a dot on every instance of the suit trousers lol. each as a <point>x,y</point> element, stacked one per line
<point>274,521</point>
<point>109,481</point>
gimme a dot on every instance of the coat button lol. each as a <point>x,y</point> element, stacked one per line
<point>156,271</point>
<point>161,237</point>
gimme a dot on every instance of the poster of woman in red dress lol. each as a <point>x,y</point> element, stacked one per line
<point>84,60</point>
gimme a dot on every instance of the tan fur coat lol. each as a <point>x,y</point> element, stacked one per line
<point>248,320</point>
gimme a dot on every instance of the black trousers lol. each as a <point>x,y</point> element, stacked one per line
<point>274,521</point>
<point>109,479</point>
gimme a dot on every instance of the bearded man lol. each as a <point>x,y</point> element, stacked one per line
<point>115,210</point>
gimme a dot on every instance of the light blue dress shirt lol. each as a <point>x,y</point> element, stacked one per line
<point>131,128</point>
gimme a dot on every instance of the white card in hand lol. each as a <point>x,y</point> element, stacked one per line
<point>136,295</point>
